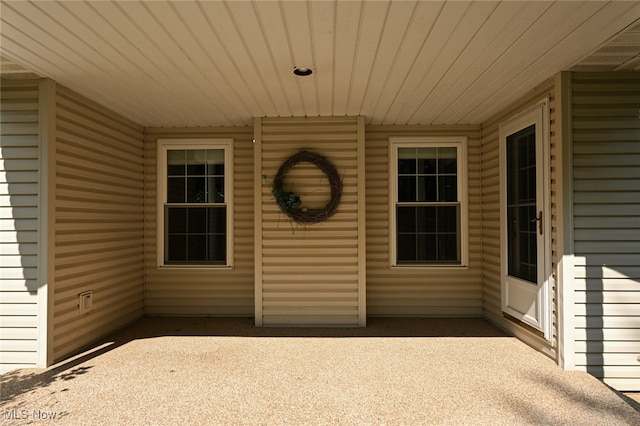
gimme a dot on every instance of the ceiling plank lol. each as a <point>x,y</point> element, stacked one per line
<point>322,27</point>
<point>296,20</point>
<point>348,45</point>
<point>275,34</point>
<point>400,16</point>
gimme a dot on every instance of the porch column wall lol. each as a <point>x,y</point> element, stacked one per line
<point>310,274</point>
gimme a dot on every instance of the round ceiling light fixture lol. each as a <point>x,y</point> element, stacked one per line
<point>302,71</point>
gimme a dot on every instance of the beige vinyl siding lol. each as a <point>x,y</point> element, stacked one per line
<point>202,291</point>
<point>98,221</point>
<point>19,222</point>
<point>491,250</point>
<point>310,274</point>
<point>606,183</point>
<point>438,291</point>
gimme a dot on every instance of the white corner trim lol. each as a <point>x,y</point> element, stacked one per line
<point>257,219</point>
<point>46,218</point>
<point>565,278</point>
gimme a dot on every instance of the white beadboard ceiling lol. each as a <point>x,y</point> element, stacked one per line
<point>220,63</point>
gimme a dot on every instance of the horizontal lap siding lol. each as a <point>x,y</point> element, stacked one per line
<point>19,221</point>
<point>203,292</point>
<point>424,291</point>
<point>310,273</point>
<point>491,250</point>
<point>98,221</point>
<point>606,170</point>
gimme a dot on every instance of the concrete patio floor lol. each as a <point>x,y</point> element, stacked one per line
<point>225,371</point>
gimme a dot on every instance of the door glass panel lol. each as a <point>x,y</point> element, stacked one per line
<point>521,205</point>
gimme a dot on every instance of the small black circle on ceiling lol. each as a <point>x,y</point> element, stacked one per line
<point>302,71</point>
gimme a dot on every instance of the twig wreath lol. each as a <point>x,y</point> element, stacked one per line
<point>291,204</point>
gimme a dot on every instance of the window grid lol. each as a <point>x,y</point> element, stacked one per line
<point>427,205</point>
<point>194,211</point>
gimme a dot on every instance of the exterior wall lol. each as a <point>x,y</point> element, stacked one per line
<point>606,225</point>
<point>98,221</point>
<point>19,224</point>
<point>439,291</point>
<point>199,291</point>
<point>491,250</point>
<point>310,274</point>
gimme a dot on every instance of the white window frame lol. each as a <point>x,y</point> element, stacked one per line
<point>167,144</point>
<point>458,142</point>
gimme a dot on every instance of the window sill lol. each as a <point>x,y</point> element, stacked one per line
<point>417,266</point>
<point>195,267</point>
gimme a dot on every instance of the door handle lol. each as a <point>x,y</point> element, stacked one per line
<point>539,220</point>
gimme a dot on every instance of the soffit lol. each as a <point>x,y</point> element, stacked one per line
<point>220,63</point>
<point>620,54</point>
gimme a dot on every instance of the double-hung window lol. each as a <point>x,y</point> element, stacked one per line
<point>194,211</point>
<point>428,201</point>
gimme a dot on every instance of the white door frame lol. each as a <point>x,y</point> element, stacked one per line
<point>540,295</point>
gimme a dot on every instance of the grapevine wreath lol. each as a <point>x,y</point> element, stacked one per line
<point>290,203</point>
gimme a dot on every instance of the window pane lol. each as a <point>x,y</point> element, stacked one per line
<point>217,248</point>
<point>196,190</point>
<point>427,188</point>
<point>448,188</point>
<point>215,190</point>
<point>427,160</point>
<point>196,161</point>
<point>448,247</point>
<point>176,162</point>
<point>426,219</point>
<point>406,188</point>
<point>215,162</point>
<point>435,236</point>
<point>177,248</point>
<point>217,219</point>
<point>447,160</point>
<point>426,153</point>
<point>448,219</point>
<point>197,246</point>
<point>177,220</point>
<point>197,220</point>
<point>196,234</point>
<point>176,190</point>
<point>427,247</point>
<point>406,161</point>
<point>406,247</point>
<point>406,218</point>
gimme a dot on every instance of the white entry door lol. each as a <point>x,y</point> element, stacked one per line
<point>524,214</point>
